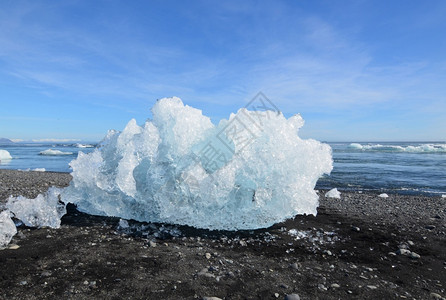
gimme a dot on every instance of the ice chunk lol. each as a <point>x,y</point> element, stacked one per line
<point>443,196</point>
<point>4,155</point>
<point>7,229</point>
<point>333,193</point>
<point>123,224</point>
<point>383,195</point>
<point>54,152</point>
<point>249,171</point>
<point>84,146</point>
<point>298,234</point>
<point>43,211</point>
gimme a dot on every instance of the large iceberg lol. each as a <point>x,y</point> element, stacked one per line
<point>247,172</point>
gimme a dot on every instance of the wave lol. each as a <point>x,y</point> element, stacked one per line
<point>54,152</point>
<point>421,148</point>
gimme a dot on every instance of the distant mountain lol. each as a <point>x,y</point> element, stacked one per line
<point>5,141</point>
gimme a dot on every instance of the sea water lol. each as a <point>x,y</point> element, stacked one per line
<point>395,167</point>
<point>43,156</point>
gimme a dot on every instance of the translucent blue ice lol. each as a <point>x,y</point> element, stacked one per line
<point>250,171</point>
<point>7,228</point>
<point>45,210</point>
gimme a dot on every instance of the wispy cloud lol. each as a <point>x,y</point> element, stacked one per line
<point>306,61</point>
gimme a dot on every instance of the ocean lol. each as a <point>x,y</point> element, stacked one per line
<point>391,167</point>
<point>43,156</point>
<point>403,168</point>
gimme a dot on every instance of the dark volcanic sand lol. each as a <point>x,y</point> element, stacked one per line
<point>346,252</point>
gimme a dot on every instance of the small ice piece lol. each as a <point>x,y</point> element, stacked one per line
<point>249,171</point>
<point>39,169</point>
<point>383,195</point>
<point>298,234</point>
<point>52,152</point>
<point>7,229</point>
<point>443,196</point>
<point>123,224</point>
<point>333,193</point>
<point>45,210</point>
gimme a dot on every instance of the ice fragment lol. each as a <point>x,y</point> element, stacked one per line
<point>43,211</point>
<point>7,229</point>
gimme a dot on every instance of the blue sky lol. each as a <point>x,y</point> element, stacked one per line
<point>355,70</point>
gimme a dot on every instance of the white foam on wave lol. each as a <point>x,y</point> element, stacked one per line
<point>54,152</point>
<point>439,148</point>
<point>35,170</point>
<point>249,171</point>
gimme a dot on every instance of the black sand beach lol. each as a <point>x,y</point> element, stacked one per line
<point>357,247</point>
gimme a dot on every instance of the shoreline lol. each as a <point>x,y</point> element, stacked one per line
<point>352,249</point>
<point>323,189</point>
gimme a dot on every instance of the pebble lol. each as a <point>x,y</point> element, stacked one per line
<point>372,287</point>
<point>211,298</point>
<point>357,229</point>
<point>152,244</point>
<point>204,272</point>
<point>207,255</point>
<point>402,251</point>
<point>335,285</point>
<point>45,274</point>
<point>13,247</point>
<point>408,253</point>
<point>292,297</point>
<point>430,227</point>
<point>231,274</point>
<point>436,296</point>
<point>294,266</point>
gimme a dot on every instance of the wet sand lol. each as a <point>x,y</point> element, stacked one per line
<point>357,247</point>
